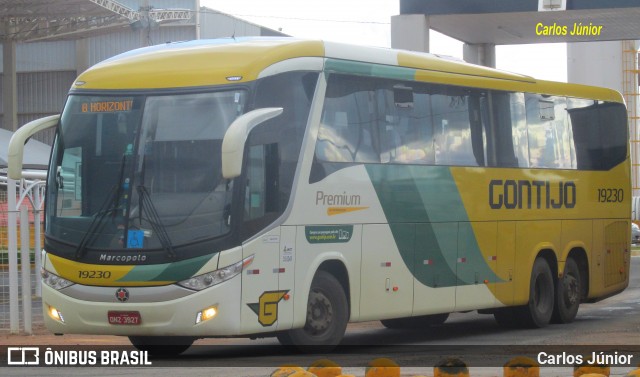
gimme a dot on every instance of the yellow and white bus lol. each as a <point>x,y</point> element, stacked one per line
<point>283,187</point>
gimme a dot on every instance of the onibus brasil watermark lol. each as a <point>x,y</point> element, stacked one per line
<point>32,356</point>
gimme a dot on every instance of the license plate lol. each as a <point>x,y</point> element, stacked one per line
<point>124,318</point>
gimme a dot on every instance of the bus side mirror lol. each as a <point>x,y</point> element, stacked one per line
<point>236,137</point>
<point>16,144</point>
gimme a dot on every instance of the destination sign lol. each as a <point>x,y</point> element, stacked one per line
<point>107,106</point>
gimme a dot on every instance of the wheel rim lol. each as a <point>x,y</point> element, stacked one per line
<point>319,314</point>
<point>571,292</point>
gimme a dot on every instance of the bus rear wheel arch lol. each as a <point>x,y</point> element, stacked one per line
<point>539,310</point>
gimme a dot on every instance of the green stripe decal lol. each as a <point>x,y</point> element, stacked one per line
<point>430,225</point>
<point>372,70</point>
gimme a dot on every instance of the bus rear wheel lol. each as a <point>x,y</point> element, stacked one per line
<point>327,317</point>
<point>162,345</point>
<point>537,313</point>
<point>568,290</point>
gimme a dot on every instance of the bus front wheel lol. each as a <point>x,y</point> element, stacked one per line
<point>327,317</point>
<point>537,313</point>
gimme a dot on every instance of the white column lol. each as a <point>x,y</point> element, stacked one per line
<point>13,256</point>
<point>9,86</point>
<point>82,55</point>
<point>410,32</point>
<point>26,270</point>
<point>481,54</point>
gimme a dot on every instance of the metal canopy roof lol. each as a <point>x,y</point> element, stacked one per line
<point>514,21</point>
<point>32,20</point>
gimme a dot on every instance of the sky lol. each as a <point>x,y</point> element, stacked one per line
<point>368,22</point>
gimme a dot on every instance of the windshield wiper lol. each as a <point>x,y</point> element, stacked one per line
<point>110,205</point>
<point>154,220</point>
<point>105,208</point>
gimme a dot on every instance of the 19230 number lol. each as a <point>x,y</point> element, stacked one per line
<point>94,274</point>
<point>610,195</point>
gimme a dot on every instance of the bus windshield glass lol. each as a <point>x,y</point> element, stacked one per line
<point>141,172</point>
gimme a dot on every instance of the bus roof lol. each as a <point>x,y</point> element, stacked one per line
<point>203,63</point>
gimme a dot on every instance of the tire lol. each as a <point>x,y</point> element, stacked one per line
<point>327,317</point>
<point>568,291</point>
<point>537,313</point>
<point>415,322</point>
<point>506,317</point>
<point>162,345</point>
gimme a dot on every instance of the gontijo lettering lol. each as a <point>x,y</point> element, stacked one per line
<point>512,194</point>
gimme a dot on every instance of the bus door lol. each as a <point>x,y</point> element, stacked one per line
<point>260,283</point>
<point>286,276</point>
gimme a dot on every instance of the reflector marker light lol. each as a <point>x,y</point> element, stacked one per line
<point>385,264</point>
<point>55,314</point>
<point>206,314</point>
<point>462,260</point>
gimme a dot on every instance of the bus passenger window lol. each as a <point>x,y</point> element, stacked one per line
<point>345,130</point>
<point>453,129</point>
<point>549,136</point>
<point>519,128</point>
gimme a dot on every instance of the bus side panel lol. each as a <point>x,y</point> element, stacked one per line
<point>611,253</point>
<point>596,269</point>
<point>435,268</point>
<point>261,297</point>
<point>505,265</point>
<point>531,238</point>
<point>475,269</point>
<point>576,234</point>
<point>387,281</point>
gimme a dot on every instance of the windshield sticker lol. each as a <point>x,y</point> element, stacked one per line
<point>135,239</point>
<point>329,234</point>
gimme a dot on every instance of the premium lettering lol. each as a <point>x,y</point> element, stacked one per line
<point>343,199</point>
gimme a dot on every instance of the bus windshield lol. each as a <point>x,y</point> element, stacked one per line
<point>141,172</point>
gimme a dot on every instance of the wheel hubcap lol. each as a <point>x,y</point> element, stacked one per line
<point>571,292</point>
<point>319,313</point>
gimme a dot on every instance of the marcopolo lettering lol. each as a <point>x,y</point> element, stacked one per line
<point>525,194</point>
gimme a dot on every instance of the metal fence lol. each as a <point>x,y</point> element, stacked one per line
<point>36,318</point>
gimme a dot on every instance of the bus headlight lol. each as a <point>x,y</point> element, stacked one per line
<point>53,280</point>
<point>200,282</point>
